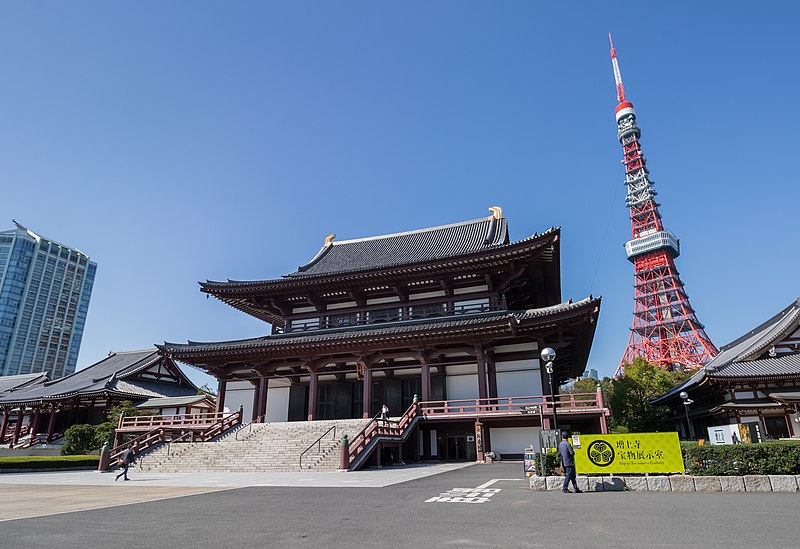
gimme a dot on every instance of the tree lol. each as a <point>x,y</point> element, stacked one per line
<point>628,397</point>
<point>78,440</point>
<point>585,387</point>
<point>105,431</point>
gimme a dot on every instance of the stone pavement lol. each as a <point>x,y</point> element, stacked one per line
<point>25,495</point>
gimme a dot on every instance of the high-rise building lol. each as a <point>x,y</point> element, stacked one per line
<point>591,373</point>
<point>44,297</point>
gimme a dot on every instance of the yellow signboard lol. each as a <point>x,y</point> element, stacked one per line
<point>634,453</point>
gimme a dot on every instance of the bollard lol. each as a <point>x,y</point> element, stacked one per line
<point>105,458</point>
<point>344,454</point>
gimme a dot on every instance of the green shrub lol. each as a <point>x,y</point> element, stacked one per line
<point>78,439</point>
<point>769,458</point>
<point>47,462</point>
<point>551,461</point>
<point>104,433</point>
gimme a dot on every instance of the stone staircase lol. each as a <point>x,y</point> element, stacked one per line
<point>257,447</point>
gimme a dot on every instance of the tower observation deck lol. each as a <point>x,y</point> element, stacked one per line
<point>665,330</point>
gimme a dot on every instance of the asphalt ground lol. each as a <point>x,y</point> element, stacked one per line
<point>469,507</point>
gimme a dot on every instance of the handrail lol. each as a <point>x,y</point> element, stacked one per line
<point>199,420</point>
<point>318,442</point>
<point>250,426</point>
<point>373,430</point>
<point>146,440</point>
<point>169,444</point>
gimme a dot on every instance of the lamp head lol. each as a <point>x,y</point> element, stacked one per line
<point>684,395</point>
<point>548,354</point>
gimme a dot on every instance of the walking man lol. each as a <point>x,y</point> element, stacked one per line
<point>126,458</point>
<point>384,412</point>
<point>568,461</point>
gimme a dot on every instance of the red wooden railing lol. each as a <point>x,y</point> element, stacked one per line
<point>382,429</point>
<point>184,421</point>
<point>202,427</point>
<point>509,406</point>
<point>40,438</point>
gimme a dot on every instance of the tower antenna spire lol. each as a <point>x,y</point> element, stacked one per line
<point>665,330</point>
<point>617,74</point>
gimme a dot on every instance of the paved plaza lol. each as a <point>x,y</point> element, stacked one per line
<point>450,505</point>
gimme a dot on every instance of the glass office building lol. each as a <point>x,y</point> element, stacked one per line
<point>44,297</point>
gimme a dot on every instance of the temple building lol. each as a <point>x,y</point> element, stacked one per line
<point>753,384</point>
<point>35,410</point>
<point>449,319</point>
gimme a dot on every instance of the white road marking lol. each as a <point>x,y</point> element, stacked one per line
<point>487,484</point>
<point>480,494</point>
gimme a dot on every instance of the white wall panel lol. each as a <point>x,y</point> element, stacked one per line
<point>462,387</point>
<point>513,440</point>
<point>522,383</point>
<point>277,404</point>
<point>240,394</point>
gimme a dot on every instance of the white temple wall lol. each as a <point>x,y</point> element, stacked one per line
<point>514,440</point>
<point>519,378</point>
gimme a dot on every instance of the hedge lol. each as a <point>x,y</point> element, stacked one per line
<point>766,458</point>
<point>48,462</point>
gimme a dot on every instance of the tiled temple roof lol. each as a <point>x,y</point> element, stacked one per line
<point>9,383</point>
<point>748,357</point>
<point>406,247</point>
<point>114,374</point>
<point>397,330</point>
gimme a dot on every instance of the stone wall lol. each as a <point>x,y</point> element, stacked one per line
<point>674,483</point>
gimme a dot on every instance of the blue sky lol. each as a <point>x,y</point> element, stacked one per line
<point>182,141</point>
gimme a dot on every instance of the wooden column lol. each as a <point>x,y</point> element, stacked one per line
<point>51,425</point>
<point>482,392</point>
<point>426,381</point>
<point>4,425</point>
<point>312,396</point>
<point>18,427</point>
<point>263,389</point>
<point>367,393</point>
<point>34,430</point>
<point>221,396</point>
<point>256,400</point>
<point>492,371</point>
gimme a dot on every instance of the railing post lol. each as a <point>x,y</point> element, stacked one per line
<point>105,458</point>
<point>601,405</point>
<point>344,454</point>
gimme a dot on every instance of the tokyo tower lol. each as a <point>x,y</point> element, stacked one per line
<point>665,329</point>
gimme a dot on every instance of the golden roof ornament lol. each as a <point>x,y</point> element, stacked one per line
<point>497,212</point>
<point>329,239</point>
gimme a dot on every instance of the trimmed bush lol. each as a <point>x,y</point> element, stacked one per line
<point>768,458</point>
<point>47,462</point>
<point>78,440</point>
<point>551,461</point>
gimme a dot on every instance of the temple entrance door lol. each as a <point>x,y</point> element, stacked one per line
<point>458,449</point>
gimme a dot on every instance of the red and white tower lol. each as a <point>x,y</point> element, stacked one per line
<point>665,329</point>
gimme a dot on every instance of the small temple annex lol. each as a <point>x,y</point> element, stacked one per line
<point>443,325</point>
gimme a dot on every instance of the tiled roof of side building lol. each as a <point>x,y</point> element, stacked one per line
<point>744,356</point>
<point>407,247</point>
<point>8,383</point>
<point>103,375</point>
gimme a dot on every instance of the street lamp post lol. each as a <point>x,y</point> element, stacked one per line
<point>686,402</point>
<point>549,355</point>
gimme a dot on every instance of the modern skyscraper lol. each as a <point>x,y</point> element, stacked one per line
<point>44,297</point>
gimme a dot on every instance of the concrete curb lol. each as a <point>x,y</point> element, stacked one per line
<point>673,483</point>
<point>47,469</point>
